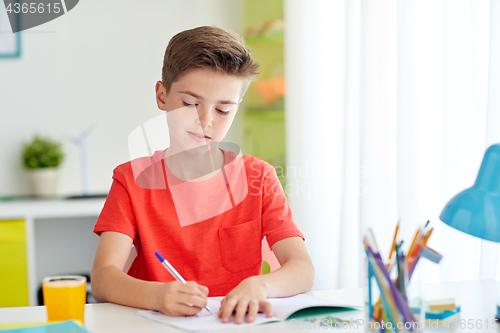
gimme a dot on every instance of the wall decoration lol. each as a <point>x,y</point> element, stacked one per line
<point>10,43</point>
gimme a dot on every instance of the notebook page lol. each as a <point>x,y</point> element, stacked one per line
<point>203,321</point>
<point>286,306</point>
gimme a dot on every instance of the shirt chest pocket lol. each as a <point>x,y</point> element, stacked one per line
<point>240,246</point>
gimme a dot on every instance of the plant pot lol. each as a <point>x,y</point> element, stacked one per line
<point>43,181</point>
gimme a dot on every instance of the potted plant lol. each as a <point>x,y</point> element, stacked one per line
<point>41,158</point>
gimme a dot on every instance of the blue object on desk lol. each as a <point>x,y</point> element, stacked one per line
<point>476,210</point>
<point>64,327</point>
<point>432,314</point>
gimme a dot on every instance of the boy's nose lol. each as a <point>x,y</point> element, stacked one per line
<point>204,116</point>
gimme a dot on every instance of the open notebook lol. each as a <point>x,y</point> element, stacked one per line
<point>283,308</point>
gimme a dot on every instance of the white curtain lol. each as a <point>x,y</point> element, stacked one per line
<point>390,106</point>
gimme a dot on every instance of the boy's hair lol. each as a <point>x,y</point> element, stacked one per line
<point>208,48</point>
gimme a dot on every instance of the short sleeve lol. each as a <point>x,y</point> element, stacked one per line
<point>277,222</point>
<point>117,213</point>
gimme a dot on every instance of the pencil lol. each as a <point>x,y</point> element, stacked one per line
<point>399,301</point>
<point>393,246</point>
<point>410,250</point>
<point>385,295</point>
<point>426,238</point>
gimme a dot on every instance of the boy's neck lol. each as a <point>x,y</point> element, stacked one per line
<point>195,165</point>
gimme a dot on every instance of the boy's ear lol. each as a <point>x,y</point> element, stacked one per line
<point>161,95</point>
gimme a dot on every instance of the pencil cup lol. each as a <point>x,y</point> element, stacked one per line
<point>65,297</point>
<point>395,308</point>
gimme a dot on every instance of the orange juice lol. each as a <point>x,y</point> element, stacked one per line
<point>65,297</point>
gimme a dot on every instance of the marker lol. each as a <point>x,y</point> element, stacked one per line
<point>174,273</point>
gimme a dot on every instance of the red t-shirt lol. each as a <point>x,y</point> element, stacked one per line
<point>210,231</point>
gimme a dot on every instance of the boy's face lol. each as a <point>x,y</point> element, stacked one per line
<point>200,106</point>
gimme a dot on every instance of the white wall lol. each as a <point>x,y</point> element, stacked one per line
<point>99,62</point>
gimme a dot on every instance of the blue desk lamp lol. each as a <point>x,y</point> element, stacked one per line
<point>476,210</point>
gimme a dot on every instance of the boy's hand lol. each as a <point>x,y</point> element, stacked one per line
<point>178,299</point>
<point>249,297</point>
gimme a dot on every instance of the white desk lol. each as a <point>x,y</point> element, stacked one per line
<point>32,210</point>
<point>477,298</point>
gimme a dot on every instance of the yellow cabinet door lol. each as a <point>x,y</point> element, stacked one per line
<point>13,272</point>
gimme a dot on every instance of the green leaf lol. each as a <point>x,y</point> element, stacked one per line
<point>42,152</point>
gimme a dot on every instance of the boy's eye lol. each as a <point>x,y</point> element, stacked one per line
<point>222,112</point>
<point>187,104</point>
<point>218,110</point>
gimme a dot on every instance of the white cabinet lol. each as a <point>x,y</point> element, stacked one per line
<point>59,236</point>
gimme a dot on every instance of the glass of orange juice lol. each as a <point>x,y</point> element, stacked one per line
<point>65,297</point>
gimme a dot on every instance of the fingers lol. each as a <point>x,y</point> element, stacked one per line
<point>194,288</point>
<point>203,289</point>
<point>180,309</point>
<point>245,300</point>
<point>253,308</point>
<point>222,305</point>
<point>241,308</point>
<point>182,299</point>
<point>266,308</point>
<point>227,309</point>
<point>191,300</point>
<point>176,304</point>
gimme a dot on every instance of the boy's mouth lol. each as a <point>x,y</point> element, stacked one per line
<point>199,137</point>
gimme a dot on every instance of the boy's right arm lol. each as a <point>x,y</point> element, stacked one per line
<point>111,284</point>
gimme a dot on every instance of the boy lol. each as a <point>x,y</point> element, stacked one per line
<point>212,238</point>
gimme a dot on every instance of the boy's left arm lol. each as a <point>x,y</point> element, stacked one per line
<point>295,276</point>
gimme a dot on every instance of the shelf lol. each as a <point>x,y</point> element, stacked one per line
<point>38,208</point>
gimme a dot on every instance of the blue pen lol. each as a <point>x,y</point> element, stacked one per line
<point>174,273</point>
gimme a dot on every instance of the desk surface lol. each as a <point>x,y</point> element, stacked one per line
<point>477,298</point>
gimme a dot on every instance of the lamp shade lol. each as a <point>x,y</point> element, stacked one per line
<point>476,210</point>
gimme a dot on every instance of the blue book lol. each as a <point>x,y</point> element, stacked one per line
<point>432,314</point>
<point>62,327</point>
